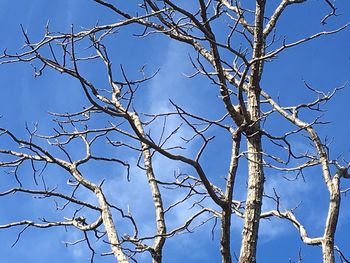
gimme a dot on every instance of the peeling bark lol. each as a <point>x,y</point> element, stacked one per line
<point>254,145</point>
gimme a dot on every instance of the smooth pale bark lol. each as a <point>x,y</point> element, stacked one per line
<point>331,223</point>
<point>156,195</point>
<point>110,228</point>
<point>106,214</point>
<point>226,214</point>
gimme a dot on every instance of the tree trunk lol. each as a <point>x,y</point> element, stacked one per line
<point>254,145</point>
<point>331,223</point>
<point>225,242</point>
<point>156,195</point>
<point>226,213</point>
<point>254,201</point>
<point>110,228</point>
<point>328,250</point>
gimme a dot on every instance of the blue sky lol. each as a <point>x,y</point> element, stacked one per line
<point>324,63</point>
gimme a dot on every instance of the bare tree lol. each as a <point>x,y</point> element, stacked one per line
<point>231,43</point>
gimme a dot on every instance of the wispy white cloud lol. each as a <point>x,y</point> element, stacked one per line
<point>136,195</point>
<point>170,83</point>
<point>291,194</point>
